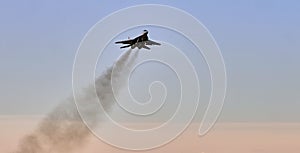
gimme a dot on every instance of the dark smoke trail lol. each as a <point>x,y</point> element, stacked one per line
<point>63,129</point>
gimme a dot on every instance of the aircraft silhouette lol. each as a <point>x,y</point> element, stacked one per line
<point>139,42</point>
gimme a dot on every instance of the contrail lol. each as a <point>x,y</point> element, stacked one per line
<point>62,129</point>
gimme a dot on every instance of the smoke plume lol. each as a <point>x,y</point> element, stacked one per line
<point>62,129</point>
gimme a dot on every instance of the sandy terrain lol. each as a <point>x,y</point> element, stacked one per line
<point>224,138</point>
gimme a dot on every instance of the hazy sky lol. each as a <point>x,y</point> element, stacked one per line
<point>259,41</point>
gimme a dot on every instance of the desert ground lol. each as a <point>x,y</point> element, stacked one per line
<point>237,137</point>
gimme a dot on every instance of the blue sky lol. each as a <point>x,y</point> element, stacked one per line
<point>259,41</point>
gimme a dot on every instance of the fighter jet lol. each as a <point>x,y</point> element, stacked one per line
<point>139,42</point>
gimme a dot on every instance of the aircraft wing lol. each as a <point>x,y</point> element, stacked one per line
<point>130,41</point>
<point>150,42</point>
<point>125,46</point>
<point>144,46</point>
